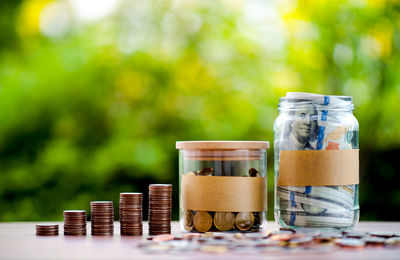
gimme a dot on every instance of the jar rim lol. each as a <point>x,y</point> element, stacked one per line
<point>222,145</point>
<point>325,102</point>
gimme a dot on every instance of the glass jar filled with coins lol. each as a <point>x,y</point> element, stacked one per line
<point>223,186</point>
<point>316,162</point>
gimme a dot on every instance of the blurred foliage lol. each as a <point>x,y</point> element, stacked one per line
<point>94,94</point>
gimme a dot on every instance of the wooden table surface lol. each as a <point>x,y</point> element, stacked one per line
<point>18,241</point>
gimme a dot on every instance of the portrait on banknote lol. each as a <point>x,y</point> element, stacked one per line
<point>301,131</point>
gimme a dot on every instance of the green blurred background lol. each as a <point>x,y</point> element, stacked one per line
<point>94,94</point>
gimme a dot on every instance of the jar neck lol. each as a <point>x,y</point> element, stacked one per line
<point>317,102</point>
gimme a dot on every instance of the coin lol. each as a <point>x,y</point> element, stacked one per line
<point>47,229</point>
<point>244,220</point>
<point>385,234</point>
<point>374,241</point>
<point>291,230</point>
<point>300,241</point>
<point>160,206</point>
<point>188,219</point>
<point>130,213</point>
<point>351,243</point>
<point>102,217</point>
<point>202,221</point>
<point>254,173</point>
<point>355,234</point>
<point>393,241</point>
<point>74,222</point>
<point>205,172</point>
<point>224,221</point>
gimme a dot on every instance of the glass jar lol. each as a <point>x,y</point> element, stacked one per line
<point>223,185</point>
<point>316,162</point>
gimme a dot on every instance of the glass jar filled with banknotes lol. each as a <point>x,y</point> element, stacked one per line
<point>223,186</point>
<point>316,162</point>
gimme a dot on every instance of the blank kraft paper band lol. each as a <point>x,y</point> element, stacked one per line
<point>224,193</point>
<point>319,168</point>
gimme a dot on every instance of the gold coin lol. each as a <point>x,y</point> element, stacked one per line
<point>244,220</point>
<point>205,172</point>
<point>224,221</point>
<point>188,219</point>
<point>202,221</point>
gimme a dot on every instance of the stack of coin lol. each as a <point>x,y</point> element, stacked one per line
<point>47,229</point>
<point>130,213</point>
<point>160,204</point>
<point>75,222</point>
<point>102,215</point>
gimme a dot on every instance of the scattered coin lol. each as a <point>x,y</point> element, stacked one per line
<point>202,221</point>
<point>300,241</point>
<point>329,236</point>
<point>166,237</point>
<point>385,234</point>
<point>393,242</point>
<point>351,243</point>
<point>355,234</point>
<point>374,241</point>
<point>287,229</point>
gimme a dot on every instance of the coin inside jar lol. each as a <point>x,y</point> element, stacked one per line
<point>205,172</point>
<point>244,220</point>
<point>254,173</point>
<point>202,221</point>
<point>188,219</point>
<point>224,221</point>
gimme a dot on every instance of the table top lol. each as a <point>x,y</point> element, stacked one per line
<point>18,241</point>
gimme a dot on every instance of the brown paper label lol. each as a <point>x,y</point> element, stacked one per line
<point>224,193</point>
<point>319,168</point>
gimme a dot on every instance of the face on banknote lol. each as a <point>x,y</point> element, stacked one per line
<point>300,129</point>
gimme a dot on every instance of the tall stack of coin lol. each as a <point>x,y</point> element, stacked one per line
<point>160,204</point>
<point>102,214</point>
<point>130,213</point>
<point>47,229</point>
<point>75,222</point>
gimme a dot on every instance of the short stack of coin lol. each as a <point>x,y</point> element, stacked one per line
<point>47,229</point>
<point>160,204</point>
<point>102,216</point>
<point>75,222</point>
<point>130,213</point>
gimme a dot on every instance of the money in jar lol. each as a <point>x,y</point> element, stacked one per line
<point>223,186</point>
<point>316,162</point>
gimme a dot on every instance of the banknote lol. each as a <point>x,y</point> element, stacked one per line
<point>287,205</point>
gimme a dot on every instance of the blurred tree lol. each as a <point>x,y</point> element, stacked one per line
<point>94,96</point>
